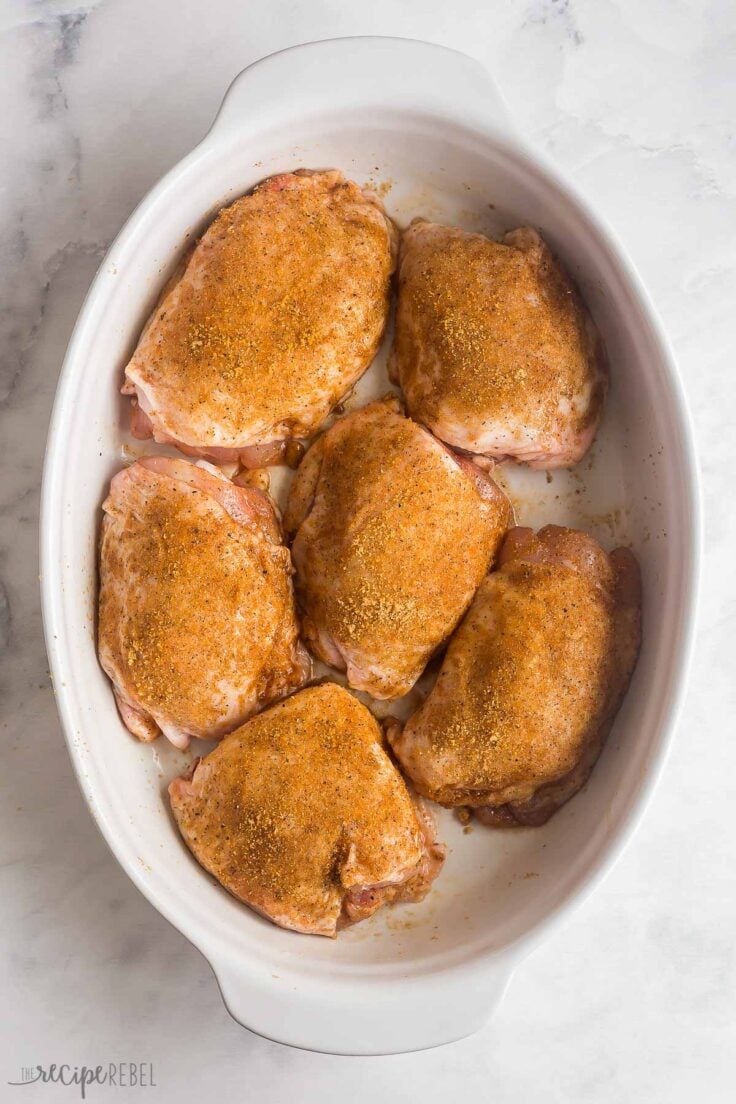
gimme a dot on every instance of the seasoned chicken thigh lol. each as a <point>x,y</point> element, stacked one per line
<point>302,815</point>
<point>393,534</point>
<point>197,627</point>
<point>494,349</point>
<point>279,310</point>
<point>531,681</point>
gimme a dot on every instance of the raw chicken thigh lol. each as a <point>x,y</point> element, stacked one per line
<point>279,310</point>
<point>197,628</point>
<point>494,349</point>
<point>302,815</point>
<point>393,533</point>
<point>531,681</point>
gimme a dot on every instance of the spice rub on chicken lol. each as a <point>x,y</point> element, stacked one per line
<point>531,681</point>
<point>393,533</point>
<point>197,628</point>
<point>494,349</point>
<point>279,310</point>
<point>302,815</point>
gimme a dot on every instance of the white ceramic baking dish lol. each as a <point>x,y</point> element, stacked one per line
<point>429,125</point>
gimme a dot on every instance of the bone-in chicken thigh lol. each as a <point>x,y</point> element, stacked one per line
<point>301,814</point>
<point>197,625</point>
<point>279,310</point>
<point>531,682</point>
<point>494,349</point>
<point>393,533</point>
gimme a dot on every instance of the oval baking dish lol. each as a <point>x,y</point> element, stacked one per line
<point>427,124</point>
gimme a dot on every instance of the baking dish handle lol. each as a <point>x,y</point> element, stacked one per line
<point>354,74</point>
<point>391,1016</point>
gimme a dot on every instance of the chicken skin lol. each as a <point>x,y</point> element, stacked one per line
<point>302,815</point>
<point>197,628</point>
<point>279,310</point>
<point>531,681</point>
<point>393,533</point>
<point>494,349</point>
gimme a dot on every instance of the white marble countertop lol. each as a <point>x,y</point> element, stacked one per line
<point>634,1000</point>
